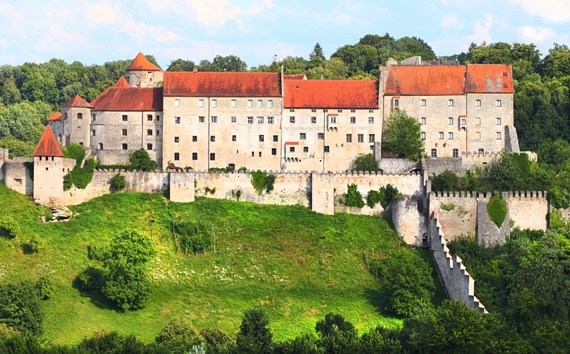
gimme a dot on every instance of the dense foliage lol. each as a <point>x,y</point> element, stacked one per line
<point>352,197</point>
<point>20,307</point>
<point>141,161</point>
<point>262,181</point>
<point>193,237</point>
<point>366,162</point>
<point>403,136</point>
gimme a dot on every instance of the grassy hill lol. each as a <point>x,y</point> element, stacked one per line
<point>267,256</point>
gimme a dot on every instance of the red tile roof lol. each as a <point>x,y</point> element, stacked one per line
<point>142,63</point>
<point>425,80</point>
<point>331,94</point>
<point>483,78</point>
<point>122,83</point>
<point>129,99</point>
<point>55,116</point>
<point>229,84</point>
<point>48,146</point>
<point>77,102</point>
<point>295,77</point>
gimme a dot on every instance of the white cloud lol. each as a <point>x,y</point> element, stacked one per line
<point>482,30</point>
<point>451,21</point>
<point>536,34</point>
<point>556,11</point>
<point>214,14</point>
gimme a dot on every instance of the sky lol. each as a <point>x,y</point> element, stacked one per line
<point>257,31</point>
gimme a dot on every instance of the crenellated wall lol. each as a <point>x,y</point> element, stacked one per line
<point>456,280</point>
<point>457,212</point>
<point>17,176</point>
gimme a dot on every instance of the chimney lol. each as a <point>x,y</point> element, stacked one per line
<point>195,70</point>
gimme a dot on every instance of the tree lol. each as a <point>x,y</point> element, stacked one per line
<point>254,335</point>
<point>181,65</point>
<point>140,160</point>
<point>127,284</point>
<point>20,307</point>
<point>366,162</point>
<point>403,135</point>
<point>180,336</point>
<point>337,335</point>
<point>317,54</point>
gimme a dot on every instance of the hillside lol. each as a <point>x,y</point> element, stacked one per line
<point>267,256</point>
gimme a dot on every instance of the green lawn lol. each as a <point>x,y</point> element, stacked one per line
<point>267,256</point>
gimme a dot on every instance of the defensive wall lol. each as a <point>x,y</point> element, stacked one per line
<point>465,213</point>
<point>16,172</point>
<point>455,279</point>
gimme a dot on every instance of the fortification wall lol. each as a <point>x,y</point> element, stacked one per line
<point>528,210</point>
<point>3,158</point>
<point>322,193</point>
<point>408,221</point>
<point>397,166</point>
<point>409,185</point>
<point>456,280</point>
<point>487,231</point>
<point>17,176</point>
<point>457,212</point>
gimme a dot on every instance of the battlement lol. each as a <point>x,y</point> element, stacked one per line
<point>487,195</point>
<point>477,154</point>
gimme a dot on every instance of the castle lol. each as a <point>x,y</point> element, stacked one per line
<point>272,121</point>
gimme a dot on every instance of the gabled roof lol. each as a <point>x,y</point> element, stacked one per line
<point>129,99</point>
<point>48,146</point>
<point>77,101</point>
<point>492,78</point>
<point>122,83</point>
<point>55,116</point>
<point>142,63</point>
<point>295,77</point>
<point>331,94</point>
<point>425,80</point>
<point>220,84</point>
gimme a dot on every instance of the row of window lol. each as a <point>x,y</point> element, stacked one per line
<point>450,103</point>
<point>451,136</point>
<point>455,152</point>
<point>462,121</point>
<point>214,103</point>
<point>333,120</point>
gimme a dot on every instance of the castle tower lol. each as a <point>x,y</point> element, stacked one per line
<point>49,169</point>
<point>76,121</point>
<point>143,73</point>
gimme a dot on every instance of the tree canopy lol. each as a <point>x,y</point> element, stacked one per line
<point>402,135</point>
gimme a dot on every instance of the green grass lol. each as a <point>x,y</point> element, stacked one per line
<point>268,256</point>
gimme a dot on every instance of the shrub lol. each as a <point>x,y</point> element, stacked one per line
<point>79,177</point>
<point>445,181</point>
<point>118,182</point>
<point>556,221</point>
<point>236,193</point>
<point>262,181</point>
<point>140,160</point>
<point>216,340</point>
<point>91,279</point>
<point>353,198</point>
<point>179,335</point>
<point>254,335</point>
<point>45,287</point>
<point>373,198</point>
<point>193,237</point>
<point>447,207</point>
<point>497,209</point>
<point>388,193</point>
<point>76,152</point>
<point>33,244</point>
<point>10,228</point>
<point>20,307</point>
<point>366,162</point>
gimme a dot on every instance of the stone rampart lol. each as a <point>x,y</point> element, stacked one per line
<point>398,165</point>
<point>17,176</point>
<point>457,212</point>
<point>528,210</point>
<point>408,222</point>
<point>409,184</point>
<point>3,158</point>
<point>456,280</point>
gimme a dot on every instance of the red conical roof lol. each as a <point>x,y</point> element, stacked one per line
<point>142,63</point>
<point>55,116</point>
<point>77,101</point>
<point>122,83</point>
<point>48,146</point>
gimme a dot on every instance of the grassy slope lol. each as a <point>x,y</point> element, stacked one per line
<point>266,256</point>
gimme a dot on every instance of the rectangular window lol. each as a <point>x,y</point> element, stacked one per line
<point>450,103</point>
<point>201,103</point>
<point>291,149</point>
<point>327,148</point>
<point>149,146</point>
<point>201,119</point>
<point>370,111</point>
<point>149,132</point>
<point>261,138</point>
<point>176,120</point>
<point>100,146</point>
<point>176,139</point>
<point>176,156</point>
<point>253,154</point>
<point>212,156</point>
<point>477,103</point>
<point>371,138</point>
<point>370,120</point>
<point>423,136</point>
<point>176,103</point>
<point>450,135</point>
<point>360,138</point>
<point>332,119</point>
<point>125,146</point>
<point>259,120</point>
<point>125,118</point>
<point>259,103</point>
<point>455,152</point>
<point>157,132</point>
<point>233,119</point>
<point>396,102</point>
<point>194,156</point>
<point>423,102</point>
<point>249,120</point>
<point>213,138</point>
<point>234,104</point>
<point>292,119</point>
<point>313,120</point>
<point>79,115</point>
<point>157,118</point>
<point>498,136</point>
<point>440,135</point>
<point>214,103</point>
<point>423,120</point>
<point>313,110</point>
<point>234,137</point>
<point>273,151</point>
<point>270,120</point>
<point>450,121</point>
<point>292,110</point>
<point>249,103</point>
<point>259,154</point>
<point>498,103</point>
<point>275,138</point>
<point>349,138</point>
<point>321,136</point>
<point>149,117</point>
<point>498,121</point>
<point>93,133</point>
<point>305,149</point>
<point>93,117</point>
<point>214,119</point>
<point>433,152</point>
<point>302,136</point>
<point>269,103</point>
<point>194,138</point>
<point>353,111</point>
<point>463,121</point>
<point>352,120</point>
<point>124,132</point>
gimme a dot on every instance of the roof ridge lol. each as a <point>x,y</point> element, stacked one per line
<point>142,63</point>
<point>48,146</point>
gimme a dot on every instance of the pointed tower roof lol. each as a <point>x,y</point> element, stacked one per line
<point>142,63</point>
<point>48,146</point>
<point>55,116</point>
<point>77,101</point>
<point>122,83</point>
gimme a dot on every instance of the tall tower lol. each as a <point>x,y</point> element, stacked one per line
<point>76,116</point>
<point>143,73</point>
<point>49,170</point>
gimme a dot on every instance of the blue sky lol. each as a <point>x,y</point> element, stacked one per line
<point>97,31</point>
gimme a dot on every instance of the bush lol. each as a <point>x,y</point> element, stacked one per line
<point>373,198</point>
<point>33,245</point>
<point>366,162</point>
<point>79,177</point>
<point>262,181</point>
<point>353,198</point>
<point>45,287</point>
<point>254,335</point>
<point>445,181</point>
<point>91,279</point>
<point>216,340</point>
<point>76,152</point>
<point>20,307</point>
<point>118,182</point>
<point>180,336</point>
<point>388,193</point>
<point>141,161</point>
<point>193,237</point>
<point>10,228</point>
<point>497,209</point>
